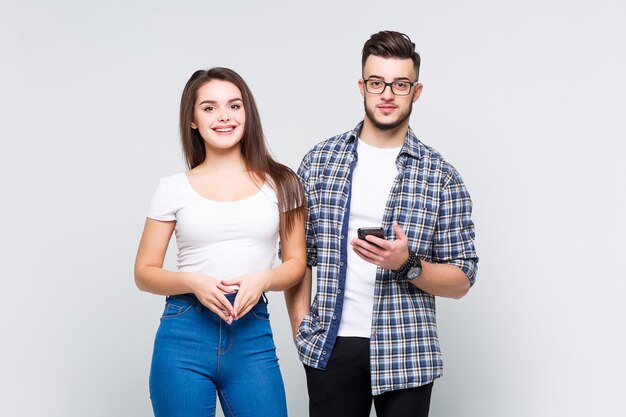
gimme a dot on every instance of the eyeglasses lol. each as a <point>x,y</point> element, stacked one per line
<point>399,88</point>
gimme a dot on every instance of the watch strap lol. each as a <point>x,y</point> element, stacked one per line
<point>404,269</point>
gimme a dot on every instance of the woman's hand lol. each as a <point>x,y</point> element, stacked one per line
<point>211,292</point>
<point>251,287</point>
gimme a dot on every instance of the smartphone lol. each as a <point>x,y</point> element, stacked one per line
<point>375,231</point>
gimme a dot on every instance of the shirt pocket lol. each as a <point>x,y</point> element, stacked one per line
<point>421,225</point>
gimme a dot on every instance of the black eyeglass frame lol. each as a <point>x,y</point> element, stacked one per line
<point>390,85</point>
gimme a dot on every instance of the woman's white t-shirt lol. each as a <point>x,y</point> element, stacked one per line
<point>218,238</point>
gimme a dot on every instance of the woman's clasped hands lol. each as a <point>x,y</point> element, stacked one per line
<point>212,293</point>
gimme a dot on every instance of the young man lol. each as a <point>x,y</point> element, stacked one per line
<point>370,333</point>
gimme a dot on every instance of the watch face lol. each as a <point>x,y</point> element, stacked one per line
<point>414,273</point>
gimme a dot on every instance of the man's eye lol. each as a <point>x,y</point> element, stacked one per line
<point>376,84</point>
<point>401,84</point>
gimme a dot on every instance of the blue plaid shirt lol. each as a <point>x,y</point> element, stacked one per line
<point>430,203</point>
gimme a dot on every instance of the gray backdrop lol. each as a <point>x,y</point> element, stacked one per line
<point>523,98</point>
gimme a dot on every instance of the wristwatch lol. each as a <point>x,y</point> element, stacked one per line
<point>411,269</point>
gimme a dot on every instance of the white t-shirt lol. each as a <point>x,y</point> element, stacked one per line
<point>372,179</point>
<point>221,239</point>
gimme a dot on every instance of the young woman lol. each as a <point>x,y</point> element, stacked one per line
<point>227,211</point>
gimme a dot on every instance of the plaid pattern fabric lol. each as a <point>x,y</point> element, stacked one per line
<point>430,203</point>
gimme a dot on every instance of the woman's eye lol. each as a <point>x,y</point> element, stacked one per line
<point>235,106</point>
<point>209,108</point>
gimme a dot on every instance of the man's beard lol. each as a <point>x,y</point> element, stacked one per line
<point>387,126</point>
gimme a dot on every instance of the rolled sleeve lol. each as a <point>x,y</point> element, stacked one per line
<point>454,234</point>
<point>311,240</point>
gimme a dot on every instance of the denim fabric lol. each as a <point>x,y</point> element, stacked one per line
<point>198,356</point>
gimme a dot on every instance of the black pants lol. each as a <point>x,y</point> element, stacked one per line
<point>344,390</point>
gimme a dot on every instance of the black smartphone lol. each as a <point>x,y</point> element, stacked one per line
<point>375,231</point>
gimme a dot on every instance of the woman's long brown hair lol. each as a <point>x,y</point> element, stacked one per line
<point>256,156</point>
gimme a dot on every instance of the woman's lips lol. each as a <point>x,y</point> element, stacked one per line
<point>224,129</point>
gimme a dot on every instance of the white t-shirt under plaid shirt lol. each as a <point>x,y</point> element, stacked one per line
<point>372,178</point>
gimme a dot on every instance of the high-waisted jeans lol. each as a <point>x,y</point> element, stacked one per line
<point>197,355</point>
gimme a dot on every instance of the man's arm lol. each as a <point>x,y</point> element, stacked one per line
<point>442,280</point>
<point>298,300</point>
<point>298,297</point>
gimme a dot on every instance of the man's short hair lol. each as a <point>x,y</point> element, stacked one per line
<point>390,44</point>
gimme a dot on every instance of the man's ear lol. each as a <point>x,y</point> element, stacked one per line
<point>417,92</point>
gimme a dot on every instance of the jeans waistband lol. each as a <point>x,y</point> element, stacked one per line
<point>193,300</point>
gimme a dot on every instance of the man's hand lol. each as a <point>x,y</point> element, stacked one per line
<point>387,254</point>
<point>298,299</point>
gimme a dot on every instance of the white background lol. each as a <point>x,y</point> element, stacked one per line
<point>525,98</point>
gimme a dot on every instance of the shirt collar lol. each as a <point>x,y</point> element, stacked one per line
<point>410,147</point>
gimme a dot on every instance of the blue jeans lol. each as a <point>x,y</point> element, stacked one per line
<point>197,355</point>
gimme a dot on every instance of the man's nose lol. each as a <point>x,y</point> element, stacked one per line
<point>387,93</point>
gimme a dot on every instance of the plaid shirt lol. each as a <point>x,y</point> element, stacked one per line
<point>430,203</point>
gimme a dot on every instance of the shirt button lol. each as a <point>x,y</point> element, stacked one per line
<point>339,291</point>
<point>334,317</point>
<point>323,352</point>
<point>340,263</point>
<point>340,237</point>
